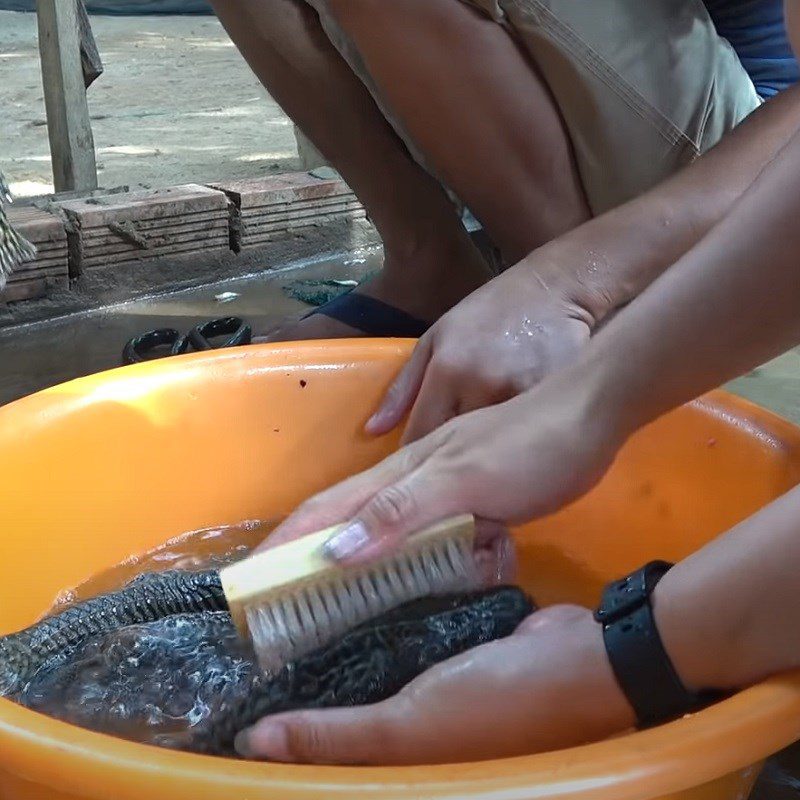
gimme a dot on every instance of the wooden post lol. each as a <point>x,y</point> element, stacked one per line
<point>71,140</point>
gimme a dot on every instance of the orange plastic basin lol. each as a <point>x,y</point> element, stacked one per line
<point>100,468</point>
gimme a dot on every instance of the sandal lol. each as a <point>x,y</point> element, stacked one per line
<point>170,342</point>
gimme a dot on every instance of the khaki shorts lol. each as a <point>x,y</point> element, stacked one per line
<point>644,86</point>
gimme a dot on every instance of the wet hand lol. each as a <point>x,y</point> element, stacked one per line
<point>498,342</point>
<point>547,686</point>
<point>504,464</point>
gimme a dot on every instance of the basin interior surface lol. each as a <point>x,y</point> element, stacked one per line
<point>107,466</point>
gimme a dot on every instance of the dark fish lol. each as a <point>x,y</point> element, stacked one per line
<point>159,662</point>
<point>158,683</point>
<point>150,597</point>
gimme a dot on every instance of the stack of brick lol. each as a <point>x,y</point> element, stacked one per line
<point>75,237</point>
<point>266,209</point>
<point>50,268</point>
<point>117,229</point>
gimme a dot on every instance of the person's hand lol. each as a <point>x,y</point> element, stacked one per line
<point>547,686</point>
<point>501,340</point>
<point>507,463</point>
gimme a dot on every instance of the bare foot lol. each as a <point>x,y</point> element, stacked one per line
<point>425,285</point>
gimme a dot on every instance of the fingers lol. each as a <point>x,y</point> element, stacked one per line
<point>550,683</point>
<point>410,504</point>
<point>435,405</point>
<point>450,389</point>
<point>383,733</point>
<point>401,394</point>
<point>341,502</point>
<point>435,386</point>
<point>430,393</point>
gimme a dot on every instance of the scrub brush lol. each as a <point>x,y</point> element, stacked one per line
<point>14,249</point>
<point>291,600</point>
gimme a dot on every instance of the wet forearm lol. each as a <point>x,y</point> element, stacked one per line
<point>744,629</point>
<point>726,306</point>
<point>611,259</point>
<point>729,614</point>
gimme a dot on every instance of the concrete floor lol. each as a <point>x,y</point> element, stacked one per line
<point>775,385</point>
<point>42,354</point>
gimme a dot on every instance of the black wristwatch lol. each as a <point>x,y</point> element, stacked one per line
<point>637,655</point>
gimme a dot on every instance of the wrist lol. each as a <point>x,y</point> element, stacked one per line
<point>560,268</point>
<point>601,267</point>
<point>601,402</point>
<point>700,645</point>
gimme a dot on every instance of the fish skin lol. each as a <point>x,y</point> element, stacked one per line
<point>149,597</point>
<point>136,676</point>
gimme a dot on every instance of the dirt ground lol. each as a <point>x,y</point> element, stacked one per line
<point>176,104</point>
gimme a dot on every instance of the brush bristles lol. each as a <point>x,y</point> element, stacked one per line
<point>301,621</point>
<point>14,249</point>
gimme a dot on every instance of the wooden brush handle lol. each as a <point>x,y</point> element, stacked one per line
<point>259,577</point>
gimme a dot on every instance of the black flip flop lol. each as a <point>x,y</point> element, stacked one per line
<point>371,316</point>
<point>169,342</point>
<point>237,331</point>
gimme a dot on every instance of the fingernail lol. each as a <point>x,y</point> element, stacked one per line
<point>347,542</point>
<point>270,741</point>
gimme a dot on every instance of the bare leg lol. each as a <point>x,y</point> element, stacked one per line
<point>430,262</point>
<point>474,105</point>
